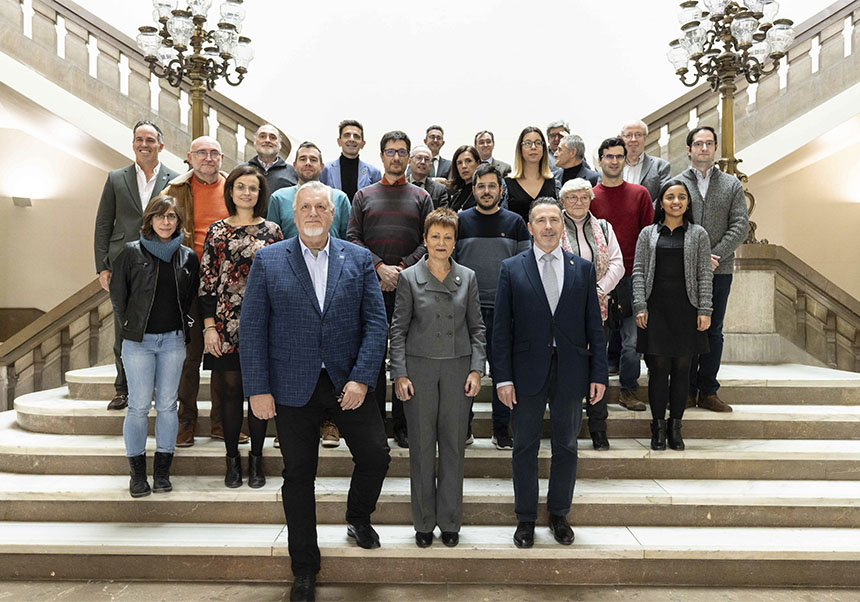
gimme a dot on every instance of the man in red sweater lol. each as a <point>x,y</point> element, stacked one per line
<point>628,208</point>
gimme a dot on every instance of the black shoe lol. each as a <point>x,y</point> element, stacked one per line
<point>613,370</point>
<point>658,434</point>
<point>233,478</point>
<point>676,442</point>
<point>303,588</point>
<point>119,401</point>
<point>137,485</point>
<point>423,539</point>
<point>561,529</point>
<point>256,478</point>
<point>161,473</point>
<point>401,438</point>
<point>364,535</point>
<point>524,536</point>
<point>470,438</point>
<point>502,439</point>
<point>599,441</point>
<point>450,538</point>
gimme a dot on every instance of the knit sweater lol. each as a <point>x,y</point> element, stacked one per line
<point>628,208</point>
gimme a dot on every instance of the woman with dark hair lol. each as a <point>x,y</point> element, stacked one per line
<point>672,280</point>
<point>463,165</point>
<point>228,252</point>
<point>531,177</point>
<point>154,282</point>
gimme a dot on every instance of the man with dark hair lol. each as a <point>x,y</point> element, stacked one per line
<point>485,142</point>
<point>126,193</point>
<point>486,236</point>
<point>435,140</point>
<point>555,131</point>
<point>349,173</point>
<point>279,174</point>
<point>419,173</point>
<point>388,219</point>
<point>570,162</point>
<point>720,207</point>
<point>640,167</point>
<point>628,208</point>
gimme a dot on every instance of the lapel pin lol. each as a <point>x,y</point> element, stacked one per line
<point>571,262</point>
<point>457,279</point>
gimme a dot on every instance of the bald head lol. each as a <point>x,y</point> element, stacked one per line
<point>205,158</point>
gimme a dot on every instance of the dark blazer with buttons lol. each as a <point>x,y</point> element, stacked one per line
<point>437,320</point>
<point>655,172</point>
<point>438,192</point>
<point>524,328</point>
<point>120,212</point>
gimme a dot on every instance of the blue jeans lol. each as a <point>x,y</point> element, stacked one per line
<point>629,365</point>
<point>704,369</point>
<point>152,366</point>
<point>501,412</point>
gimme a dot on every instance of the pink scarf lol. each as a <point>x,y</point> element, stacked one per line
<point>600,259</point>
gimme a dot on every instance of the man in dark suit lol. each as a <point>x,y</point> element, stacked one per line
<point>279,174</point>
<point>126,193</point>
<point>485,142</point>
<point>435,140</point>
<point>548,345</point>
<point>311,338</point>
<point>640,167</point>
<point>418,173</point>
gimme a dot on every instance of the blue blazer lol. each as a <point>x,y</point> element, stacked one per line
<point>524,328</point>
<point>367,175</point>
<point>284,338</point>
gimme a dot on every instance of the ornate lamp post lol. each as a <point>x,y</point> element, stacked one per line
<point>181,47</point>
<point>729,40</point>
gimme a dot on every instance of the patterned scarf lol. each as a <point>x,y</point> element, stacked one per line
<point>599,252</point>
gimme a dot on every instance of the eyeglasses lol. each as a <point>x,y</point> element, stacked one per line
<point>532,143</point>
<point>559,135</point>
<point>421,159</point>
<point>705,143</point>
<point>633,136</point>
<point>574,198</point>
<point>167,217</point>
<point>434,138</point>
<point>212,154</point>
<point>612,157</point>
<point>400,152</point>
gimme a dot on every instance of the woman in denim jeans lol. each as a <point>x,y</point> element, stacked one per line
<point>153,283</point>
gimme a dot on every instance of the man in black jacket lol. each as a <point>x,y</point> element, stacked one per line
<point>279,174</point>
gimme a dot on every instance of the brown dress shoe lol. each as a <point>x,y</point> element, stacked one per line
<point>185,436</point>
<point>714,404</point>
<point>277,443</point>
<point>119,402</point>
<point>218,433</point>
<point>628,400</point>
<point>691,401</point>
<point>329,433</point>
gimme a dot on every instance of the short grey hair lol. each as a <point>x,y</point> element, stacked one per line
<point>268,125</point>
<point>312,185</point>
<point>575,185</point>
<point>559,123</point>
<point>420,147</point>
<point>636,122</point>
<point>545,200</point>
<point>573,142</point>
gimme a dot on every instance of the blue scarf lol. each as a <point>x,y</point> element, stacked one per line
<point>163,250</point>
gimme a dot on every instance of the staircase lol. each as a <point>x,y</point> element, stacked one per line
<point>767,495</point>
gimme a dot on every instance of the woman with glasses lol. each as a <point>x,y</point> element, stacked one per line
<point>531,177</point>
<point>154,282</point>
<point>463,165</point>
<point>228,252</point>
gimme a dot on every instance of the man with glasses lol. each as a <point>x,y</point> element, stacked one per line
<point>348,172</point>
<point>199,195</point>
<point>485,142</point>
<point>388,219</point>
<point>420,173</point>
<point>720,207</point>
<point>279,174</point>
<point>569,162</point>
<point>628,208</point>
<point>126,193</point>
<point>640,167</point>
<point>555,131</point>
<point>435,140</point>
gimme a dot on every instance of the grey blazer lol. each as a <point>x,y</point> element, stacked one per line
<point>437,320</point>
<point>655,172</point>
<point>443,171</point>
<point>438,192</point>
<point>120,212</point>
<point>503,167</point>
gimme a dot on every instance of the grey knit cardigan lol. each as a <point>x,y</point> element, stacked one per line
<point>698,275</point>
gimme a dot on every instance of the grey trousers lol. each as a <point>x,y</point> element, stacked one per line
<point>437,413</point>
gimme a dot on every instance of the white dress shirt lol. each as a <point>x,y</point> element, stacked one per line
<point>144,186</point>
<point>318,269</point>
<point>633,173</point>
<point>703,182</point>
<point>558,265</point>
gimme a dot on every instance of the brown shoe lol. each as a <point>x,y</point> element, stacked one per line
<point>119,402</point>
<point>185,436</point>
<point>691,401</point>
<point>244,437</point>
<point>218,433</point>
<point>276,443</point>
<point>714,404</point>
<point>628,400</point>
<point>329,433</point>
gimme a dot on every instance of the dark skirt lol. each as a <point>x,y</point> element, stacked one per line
<point>672,319</point>
<point>225,363</point>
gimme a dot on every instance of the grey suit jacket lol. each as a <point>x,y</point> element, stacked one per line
<point>120,212</point>
<point>437,320</point>
<point>438,192</point>
<point>444,169</point>
<point>655,172</point>
<point>503,167</point>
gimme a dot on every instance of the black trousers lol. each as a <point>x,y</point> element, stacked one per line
<point>397,416</point>
<point>120,383</point>
<point>299,434</point>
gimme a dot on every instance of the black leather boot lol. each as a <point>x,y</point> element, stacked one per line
<point>161,473</point>
<point>658,434</point>
<point>256,478</point>
<point>675,440</point>
<point>233,478</point>
<point>137,485</point>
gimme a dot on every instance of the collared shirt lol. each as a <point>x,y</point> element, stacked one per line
<point>144,186</point>
<point>318,269</point>
<point>435,169</point>
<point>266,166</point>
<point>633,173</point>
<point>418,183</point>
<point>399,182</point>
<point>703,182</point>
<point>558,265</point>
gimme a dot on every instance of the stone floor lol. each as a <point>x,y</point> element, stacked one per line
<point>98,591</point>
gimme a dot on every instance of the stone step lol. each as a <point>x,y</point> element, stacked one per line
<point>597,502</point>
<point>26,452</point>
<point>793,384</point>
<point>54,411</point>
<point>617,555</point>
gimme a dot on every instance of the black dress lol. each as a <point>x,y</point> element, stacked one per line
<point>520,201</point>
<point>672,319</point>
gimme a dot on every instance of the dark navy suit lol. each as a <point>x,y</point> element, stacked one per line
<point>284,339</point>
<point>523,353</point>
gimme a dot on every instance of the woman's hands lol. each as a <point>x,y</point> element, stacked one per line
<point>212,342</point>
<point>642,320</point>
<point>703,322</point>
<point>473,384</point>
<point>403,388</point>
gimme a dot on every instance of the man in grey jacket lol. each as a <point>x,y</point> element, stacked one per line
<point>640,167</point>
<point>719,206</point>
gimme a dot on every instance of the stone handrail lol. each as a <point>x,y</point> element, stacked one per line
<point>671,122</point>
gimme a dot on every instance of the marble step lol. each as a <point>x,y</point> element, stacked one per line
<point>27,452</point>
<point>616,555</point>
<point>597,502</point>
<point>54,411</point>
<point>793,384</point>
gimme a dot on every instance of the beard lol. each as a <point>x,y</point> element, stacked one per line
<point>315,231</point>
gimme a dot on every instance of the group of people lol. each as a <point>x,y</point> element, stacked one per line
<point>290,283</point>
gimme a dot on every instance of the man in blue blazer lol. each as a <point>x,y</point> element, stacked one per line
<point>349,173</point>
<point>548,345</point>
<point>311,337</point>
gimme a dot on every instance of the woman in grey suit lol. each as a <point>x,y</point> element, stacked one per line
<point>437,353</point>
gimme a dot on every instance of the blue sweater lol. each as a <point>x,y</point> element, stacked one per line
<point>281,212</point>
